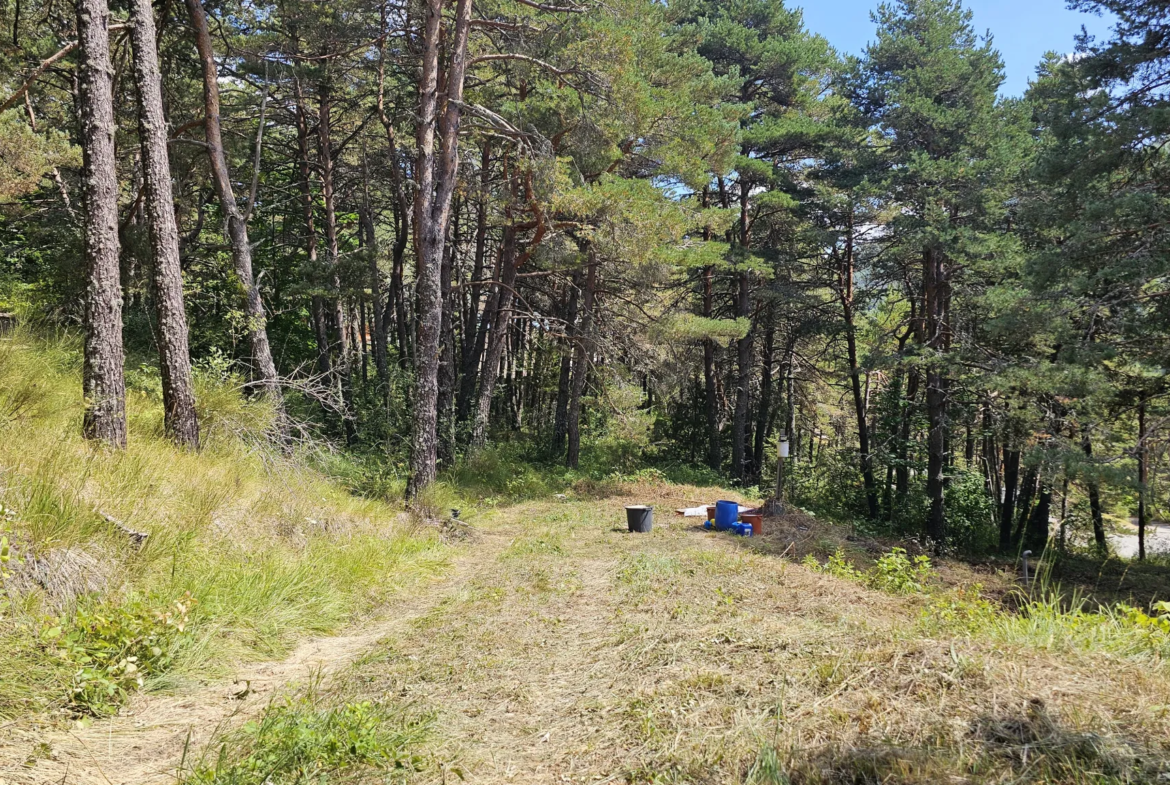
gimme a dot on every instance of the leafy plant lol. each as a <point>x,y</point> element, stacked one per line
<point>114,649</point>
<point>304,740</point>
<point>896,572</point>
<point>837,566</point>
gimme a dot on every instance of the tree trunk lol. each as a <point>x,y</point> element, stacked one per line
<point>845,281</point>
<point>381,340</point>
<point>447,378</point>
<point>235,226</point>
<point>937,327</point>
<point>436,178</point>
<point>714,441</point>
<point>764,407</point>
<point>1024,511</point>
<point>902,468</point>
<point>561,418</point>
<point>397,298</point>
<point>317,303</point>
<point>1036,538</point>
<point>343,368</point>
<point>103,382</point>
<point>743,348</point>
<point>1095,500</point>
<point>582,355</point>
<point>1007,513</point>
<point>474,323</point>
<point>174,359</point>
<point>497,337</point>
<point>1142,467</point>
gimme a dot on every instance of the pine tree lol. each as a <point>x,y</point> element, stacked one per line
<point>105,392</point>
<point>928,85</point>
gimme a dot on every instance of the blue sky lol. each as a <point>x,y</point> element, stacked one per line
<point>1023,30</point>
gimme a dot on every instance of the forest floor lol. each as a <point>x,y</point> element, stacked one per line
<point>560,648</point>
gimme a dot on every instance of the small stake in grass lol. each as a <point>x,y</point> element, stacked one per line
<point>1026,555</point>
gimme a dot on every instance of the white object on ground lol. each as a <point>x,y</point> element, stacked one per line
<point>701,512</point>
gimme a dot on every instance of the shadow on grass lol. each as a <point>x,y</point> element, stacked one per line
<point>1029,746</point>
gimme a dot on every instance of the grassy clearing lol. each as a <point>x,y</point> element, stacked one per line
<point>585,654</point>
<point>261,550</point>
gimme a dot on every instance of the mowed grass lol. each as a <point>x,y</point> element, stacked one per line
<point>581,653</point>
<point>259,550</point>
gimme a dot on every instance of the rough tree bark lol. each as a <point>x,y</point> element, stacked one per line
<point>447,374</point>
<point>937,324</point>
<point>103,382</point>
<point>764,407</point>
<point>497,336</point>
<point>1007,513</point>
<point>436,176</point>
<point>235,226</point>
<point>174,359</point>
<point>582,353</point>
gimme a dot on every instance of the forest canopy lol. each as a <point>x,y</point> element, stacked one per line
<point>622,235</point>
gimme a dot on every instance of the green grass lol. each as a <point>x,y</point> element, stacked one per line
<point>306,739</point>
<point>269,549</point>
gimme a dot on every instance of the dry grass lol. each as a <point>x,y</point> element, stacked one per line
<point>582,653</point>
<point>270,550</point>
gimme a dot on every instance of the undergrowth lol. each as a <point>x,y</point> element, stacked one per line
<point>259,549</point>
<point>1043,618</point>
<point>311,738</point>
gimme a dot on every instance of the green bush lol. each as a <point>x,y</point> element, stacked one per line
<point>895,572</point>
<point>304,740</point>
<point>114,649</point>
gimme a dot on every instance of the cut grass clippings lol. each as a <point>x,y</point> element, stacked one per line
<point>586,654</point>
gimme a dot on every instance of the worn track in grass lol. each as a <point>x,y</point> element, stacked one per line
<point>562,649</point>
<point>145,742</point>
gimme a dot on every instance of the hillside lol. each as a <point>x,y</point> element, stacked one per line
<point>190,563</point>
<point>543,644</point>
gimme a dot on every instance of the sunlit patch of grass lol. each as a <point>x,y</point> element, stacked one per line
<point>314,738</point>
<point>270,549</point>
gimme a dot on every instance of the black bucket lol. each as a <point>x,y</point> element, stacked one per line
<point>640,518</point>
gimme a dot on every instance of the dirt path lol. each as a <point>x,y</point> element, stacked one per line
<point>561,649</point>
<point>144,744</point>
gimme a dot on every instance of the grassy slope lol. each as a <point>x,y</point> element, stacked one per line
<point>269,550</point>
<point>580,653</point>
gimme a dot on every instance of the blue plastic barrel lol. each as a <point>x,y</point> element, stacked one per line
<point>726,515</point>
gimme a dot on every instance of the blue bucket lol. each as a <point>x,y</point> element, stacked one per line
<point>726,515</point>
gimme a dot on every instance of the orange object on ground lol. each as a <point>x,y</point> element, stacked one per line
<point>756,520</point>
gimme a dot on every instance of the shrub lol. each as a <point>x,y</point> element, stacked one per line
<point>114,649</point>
<point>894,572</point>
<point>897,573</point>
<point>304,740</point>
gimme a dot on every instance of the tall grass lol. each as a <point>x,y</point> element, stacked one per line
<point>269,549</point>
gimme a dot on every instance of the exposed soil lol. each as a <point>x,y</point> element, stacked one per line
<point>146,741</point>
